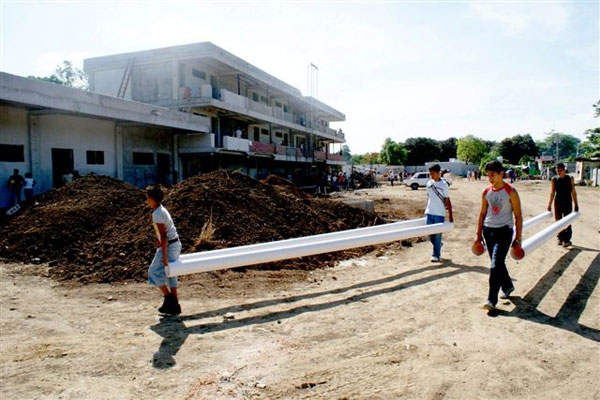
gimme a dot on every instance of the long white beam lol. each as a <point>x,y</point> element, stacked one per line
<point>306,239</point>
<point>538,219</point>
<point>264,255</point>
<point>542,236</point>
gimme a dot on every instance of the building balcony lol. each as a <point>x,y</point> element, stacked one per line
<point>320,155</point>
<point>236,144</point>
<point>262,148</point>
<point>335,157</point>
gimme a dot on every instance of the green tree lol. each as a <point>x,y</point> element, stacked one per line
<point>66,75</point>
<point>448,149</point>
<point>471,149</point>
<point>346,153</point>
<point>357,159</point>
<point>567,145</point>
<point>591,147</point>
<point>370,158</point>
<point>525,160</point>
<point>596,109</point>
<point>513,148</point>
<point>421,150</point>
<point>392,153</point>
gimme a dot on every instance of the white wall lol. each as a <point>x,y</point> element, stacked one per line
<point>79,134</point>
<point>108,82</point>
<point>13,131</point>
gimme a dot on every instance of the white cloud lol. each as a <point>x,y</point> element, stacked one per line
<point>517,18</point>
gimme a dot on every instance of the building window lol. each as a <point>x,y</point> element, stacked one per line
<point>255,96</point>
<point>12,152</point>
<point>256,134</point>
<point>95,157</point>
<point>278,134</point>
<point>278,104</point>
<point>264,100</point>
<point>143,158</point>
<point>199,74</point>
<point>264,132</point>
<point>285,108</point>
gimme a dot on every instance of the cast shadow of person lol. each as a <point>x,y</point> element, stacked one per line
<point>174,331</point>
<point>568,316</point>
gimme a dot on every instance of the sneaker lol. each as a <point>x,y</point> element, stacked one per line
<point>434,259</point>
<point>488,306</point>
<point>560,243</point>
<point>567,243</point>
<point>506,295</point>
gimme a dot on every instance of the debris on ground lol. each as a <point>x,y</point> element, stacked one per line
<point>98,229</point>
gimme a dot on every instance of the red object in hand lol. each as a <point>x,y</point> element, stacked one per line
<point>477,248</point>
<point>517,252</point>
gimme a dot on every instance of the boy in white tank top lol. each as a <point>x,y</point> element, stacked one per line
<point>498,204</point>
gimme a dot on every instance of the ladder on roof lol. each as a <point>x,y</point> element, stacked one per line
<point>125,79</point>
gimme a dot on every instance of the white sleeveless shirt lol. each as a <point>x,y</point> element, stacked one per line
<point>499,211</point>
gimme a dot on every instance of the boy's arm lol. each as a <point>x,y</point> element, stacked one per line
<point>574,194</point>
<point>162,231</point>
<point>449,207</point>
<point>552,193</point>
<point>515,202</point>
<point>484,207</point>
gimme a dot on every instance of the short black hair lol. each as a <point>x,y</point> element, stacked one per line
<point>155,192</point>
<point>495,166</point>
<point>435,168</point>
<point>560,166</point>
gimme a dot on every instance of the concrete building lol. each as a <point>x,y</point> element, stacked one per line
<point>257,122</point>
<point>47,129</point>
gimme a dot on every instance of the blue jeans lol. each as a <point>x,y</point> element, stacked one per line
<point>498,242</point>
<point>156,272</point>
<point>436,240</point>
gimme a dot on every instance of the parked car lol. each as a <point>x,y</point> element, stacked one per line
<point>420,179</point>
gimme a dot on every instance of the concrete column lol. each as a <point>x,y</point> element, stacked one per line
<point>177,164</point>
<point>175,79</point>
<point>35,153</point>
<point>119,151</point>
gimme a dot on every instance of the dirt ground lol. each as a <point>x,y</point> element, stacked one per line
<point>387,325</point>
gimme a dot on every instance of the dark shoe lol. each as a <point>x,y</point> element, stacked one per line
<point>506,295</point>
<point>560,243</point>
<point>170,305</point>
<point>567,243</point>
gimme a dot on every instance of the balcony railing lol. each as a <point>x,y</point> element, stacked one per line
<point>236,144</point>
<point>335,157</point>
<point>262,148</point>
<point>320,155</point>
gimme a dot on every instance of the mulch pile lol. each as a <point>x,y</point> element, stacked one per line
<point>98,229</point>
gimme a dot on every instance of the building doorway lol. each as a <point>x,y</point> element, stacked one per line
<point>163,168</point>
<point>62,163</point>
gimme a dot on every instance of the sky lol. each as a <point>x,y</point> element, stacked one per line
<point>396,69</point>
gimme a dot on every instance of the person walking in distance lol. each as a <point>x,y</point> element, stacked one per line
<point>438,201</point>
<point>29,184</point>
<point>168,249</point>
<point>499,202</point>
<point>564,196</point>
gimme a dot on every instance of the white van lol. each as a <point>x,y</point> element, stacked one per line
<point>420,179</point>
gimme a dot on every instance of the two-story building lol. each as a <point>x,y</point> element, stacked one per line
<point>257,122</point>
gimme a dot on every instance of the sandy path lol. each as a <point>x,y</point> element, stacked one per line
<point>387,326</point>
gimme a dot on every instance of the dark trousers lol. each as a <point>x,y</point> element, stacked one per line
<point>562,210</point>
<point>498,242</point>
<point>28,196</point>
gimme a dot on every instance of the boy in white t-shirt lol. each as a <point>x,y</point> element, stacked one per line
<point>438,201</point>
<point>168,250</point>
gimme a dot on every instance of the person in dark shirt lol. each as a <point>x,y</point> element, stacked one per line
<point>564,196</point>
<point>15,184</point>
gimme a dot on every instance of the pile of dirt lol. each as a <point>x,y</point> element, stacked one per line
<point>97,229</point>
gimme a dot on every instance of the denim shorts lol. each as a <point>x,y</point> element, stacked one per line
<point>156,272</point>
